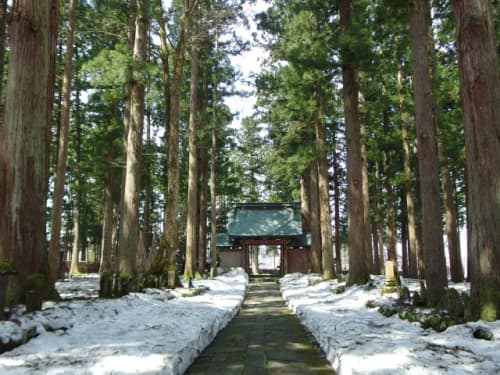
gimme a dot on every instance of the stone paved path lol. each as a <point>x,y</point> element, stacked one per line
<point>264,338</point>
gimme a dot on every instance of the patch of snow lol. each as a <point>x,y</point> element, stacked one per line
<point>359,340</point>
<point>155,332</point>
<point>162,332</point>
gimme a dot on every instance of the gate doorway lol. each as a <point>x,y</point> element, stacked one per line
<point>264,259</point>
<point>252,258</point>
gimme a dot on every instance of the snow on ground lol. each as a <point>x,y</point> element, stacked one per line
<point>359,340</point>
<point>162,332</point>
<point>156,332</point>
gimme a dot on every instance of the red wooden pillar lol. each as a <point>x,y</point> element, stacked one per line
<point>246,263</point>
<point>284,258</point>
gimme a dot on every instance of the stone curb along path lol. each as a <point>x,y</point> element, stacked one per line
<point>264,338</point>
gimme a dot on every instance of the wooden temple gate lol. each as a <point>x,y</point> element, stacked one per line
<point>268,224</point>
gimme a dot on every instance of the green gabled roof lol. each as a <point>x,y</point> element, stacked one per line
<point>265,219</point>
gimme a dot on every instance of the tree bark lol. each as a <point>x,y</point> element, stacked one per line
<point>404,237</point>
<point>358,274</point>
<point>376,251</point>
<point>129,224</point>
<point>25,141</point>
<point>126,125</point>
<point>213,201</point>
<point>410,204</point>
<point>480,92</point>
<point>305,193</point>
<point>166,90</point>
<point>193,168</point>
<point>336,208</point>
<point>3,39</point>
<point>316,262</point>
<point>76,246</point>
<point>324,195</point>
<point>377,230</point>
<point>62,154</point>
<point>305,208</point>
<point>254,256</point>
<point>391,221</point>
<point>107,225</point>
<point>451,222</point>
<point>366,204</point>
<point>203,179</point>
<point>433,252</point>
<point>171,221</point>
<point>74,268</point>
<point>390,212</point>
<point>202,241</point>
<point>148,191</point>
<point>213,171</point>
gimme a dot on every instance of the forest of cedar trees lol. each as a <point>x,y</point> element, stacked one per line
<point>119,153</point>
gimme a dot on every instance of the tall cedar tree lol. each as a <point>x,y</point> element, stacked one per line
<point>451,221</point>
<point>3,34</point>
<point>203,170</point>
<point>447,185</point>
<point>193,168</point>
<point>306,213</point>
<point>410,204</point>
<point>480,91</point>
<point>433,251</point>
<point>336,208</point>
<point>106,265</point>
<point>62,151</point>
<point>213,172</point>
<point>24,141</point>
<point>316,253</point>
<point>171,225</point>
<point>129,229</point>
<point>366,204</point>
<point>323,193</point>
<point>358,272</point>
<point>77,194</point>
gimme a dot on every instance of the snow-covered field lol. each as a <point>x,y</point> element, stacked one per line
<point>157,332</point>
<point>358,340</point>
<point>162,332</point>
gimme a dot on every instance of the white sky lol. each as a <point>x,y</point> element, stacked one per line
<point>248,64</point>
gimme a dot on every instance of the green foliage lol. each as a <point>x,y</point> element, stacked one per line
<point>291,88</point>
<point>110,69</point>
<point>157,266</point>
<point>6,267</point>
<point>15,294</point>
<point>193,292</point>
<point>490,300</point>
<point>36,281</point>
<point>39,284</point>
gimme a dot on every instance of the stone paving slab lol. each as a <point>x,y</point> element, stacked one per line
<point>265,338</point>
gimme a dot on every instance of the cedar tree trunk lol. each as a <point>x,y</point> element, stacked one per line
<point>24,143</point>
<point>480,91</point>
<point>432,246</point>
<point>358,273</point>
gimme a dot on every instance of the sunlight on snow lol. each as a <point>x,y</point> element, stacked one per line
<point>129,364</point>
